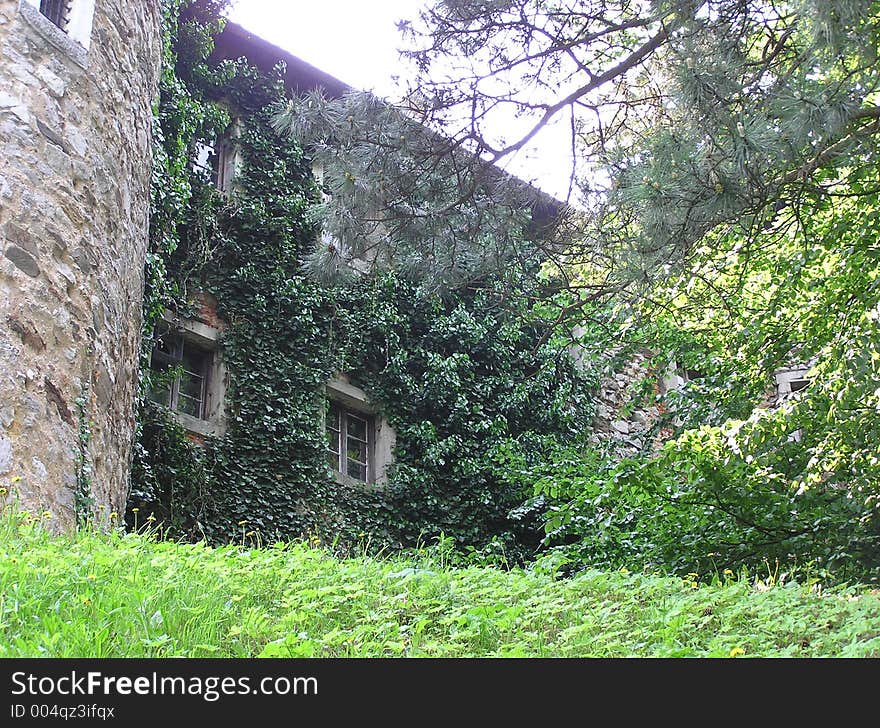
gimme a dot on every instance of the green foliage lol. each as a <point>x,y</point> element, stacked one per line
<point>485,397</point>
<point>474,383</point>
<point>181,117</point>
<point>699,508</point>
<point>168,477</point>
<point>83,499</point>
<point>447,216</point>
<point>749,478</point>
<point>490,413</point>
<point>102,595</point>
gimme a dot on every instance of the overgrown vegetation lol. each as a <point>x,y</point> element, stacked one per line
<point>127,595</point>
<point>729,195</point>
<point>746,478</point>
<point>718,245</point>
<point>474,381</point>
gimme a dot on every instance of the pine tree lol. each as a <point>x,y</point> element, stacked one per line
<point>684,116</point>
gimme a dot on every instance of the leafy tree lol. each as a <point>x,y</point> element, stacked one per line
<point>750,479</point>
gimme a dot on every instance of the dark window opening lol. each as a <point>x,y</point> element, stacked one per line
<point>216,162</point>
<point>796,385</point>
<point>223,165</point>
<point>57,11</point>
<point>349,443</point>
<point>180,370</point>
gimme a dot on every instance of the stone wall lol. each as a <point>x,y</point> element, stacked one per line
<point>626,421</point>
<point>631,401</point>
<point>75,150</point>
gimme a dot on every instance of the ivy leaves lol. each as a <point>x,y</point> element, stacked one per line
<point>468,380</point>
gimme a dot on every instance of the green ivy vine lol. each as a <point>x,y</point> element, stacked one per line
<point>476,388</point>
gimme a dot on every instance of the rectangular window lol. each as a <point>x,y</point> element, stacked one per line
<point>217,162</point>
<point>790,380</point>
<point>223,165</point>
<point>180,368</point>
<point>58,11</point>
<point>350,442</point>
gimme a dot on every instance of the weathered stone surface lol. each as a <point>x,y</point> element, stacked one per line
<point>53,136</point>
<point>23,260</point>
<point>81,258</point>
<point>53,83</point>
<point>5,455</point>
<point>27,331</point>
<point>625,422</point>
<point>76,130</point>
<point>21,237</point>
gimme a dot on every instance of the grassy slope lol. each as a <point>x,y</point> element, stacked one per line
<point>129,596</point>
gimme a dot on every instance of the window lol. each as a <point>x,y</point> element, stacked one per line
<point>360,441</point>
<point>58,11</point>
<point>223,165</point>
<point>790,380</point>
<point>202,164</point>
<point>677,375</point>
<point>189,376</point>
<point>328,241</point>
<point>217,163</point>
<point>62,21</point>
<point>350,437</point>
<point>371,233</point>
<point>188,373</point>
<point>183,368</point>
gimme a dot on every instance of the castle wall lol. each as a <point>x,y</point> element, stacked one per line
<point>75,150</point>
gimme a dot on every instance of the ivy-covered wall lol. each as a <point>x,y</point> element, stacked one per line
<point>473,383</point>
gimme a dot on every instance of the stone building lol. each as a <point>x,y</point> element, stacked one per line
<point>78,79</point>
<point>195,394</point>
<point>77,82</point>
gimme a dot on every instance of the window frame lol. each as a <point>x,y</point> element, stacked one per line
<point>177,359</point>
<point>798,384</point>
<point>73,37</point>
<point>57,12</point>
<point>342,430</point>
<point>205,338</point>
<point>339,393</point>
<point>219,160</point>
<point>328,241</point>
<point>790,380</point>
<point>224,163</point>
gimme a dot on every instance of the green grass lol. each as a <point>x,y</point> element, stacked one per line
<point>116,595</point>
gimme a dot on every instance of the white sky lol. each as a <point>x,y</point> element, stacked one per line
<point>356,41</point>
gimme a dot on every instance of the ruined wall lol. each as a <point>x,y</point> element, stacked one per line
<point>75,140</point>
<point>625,422</point>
